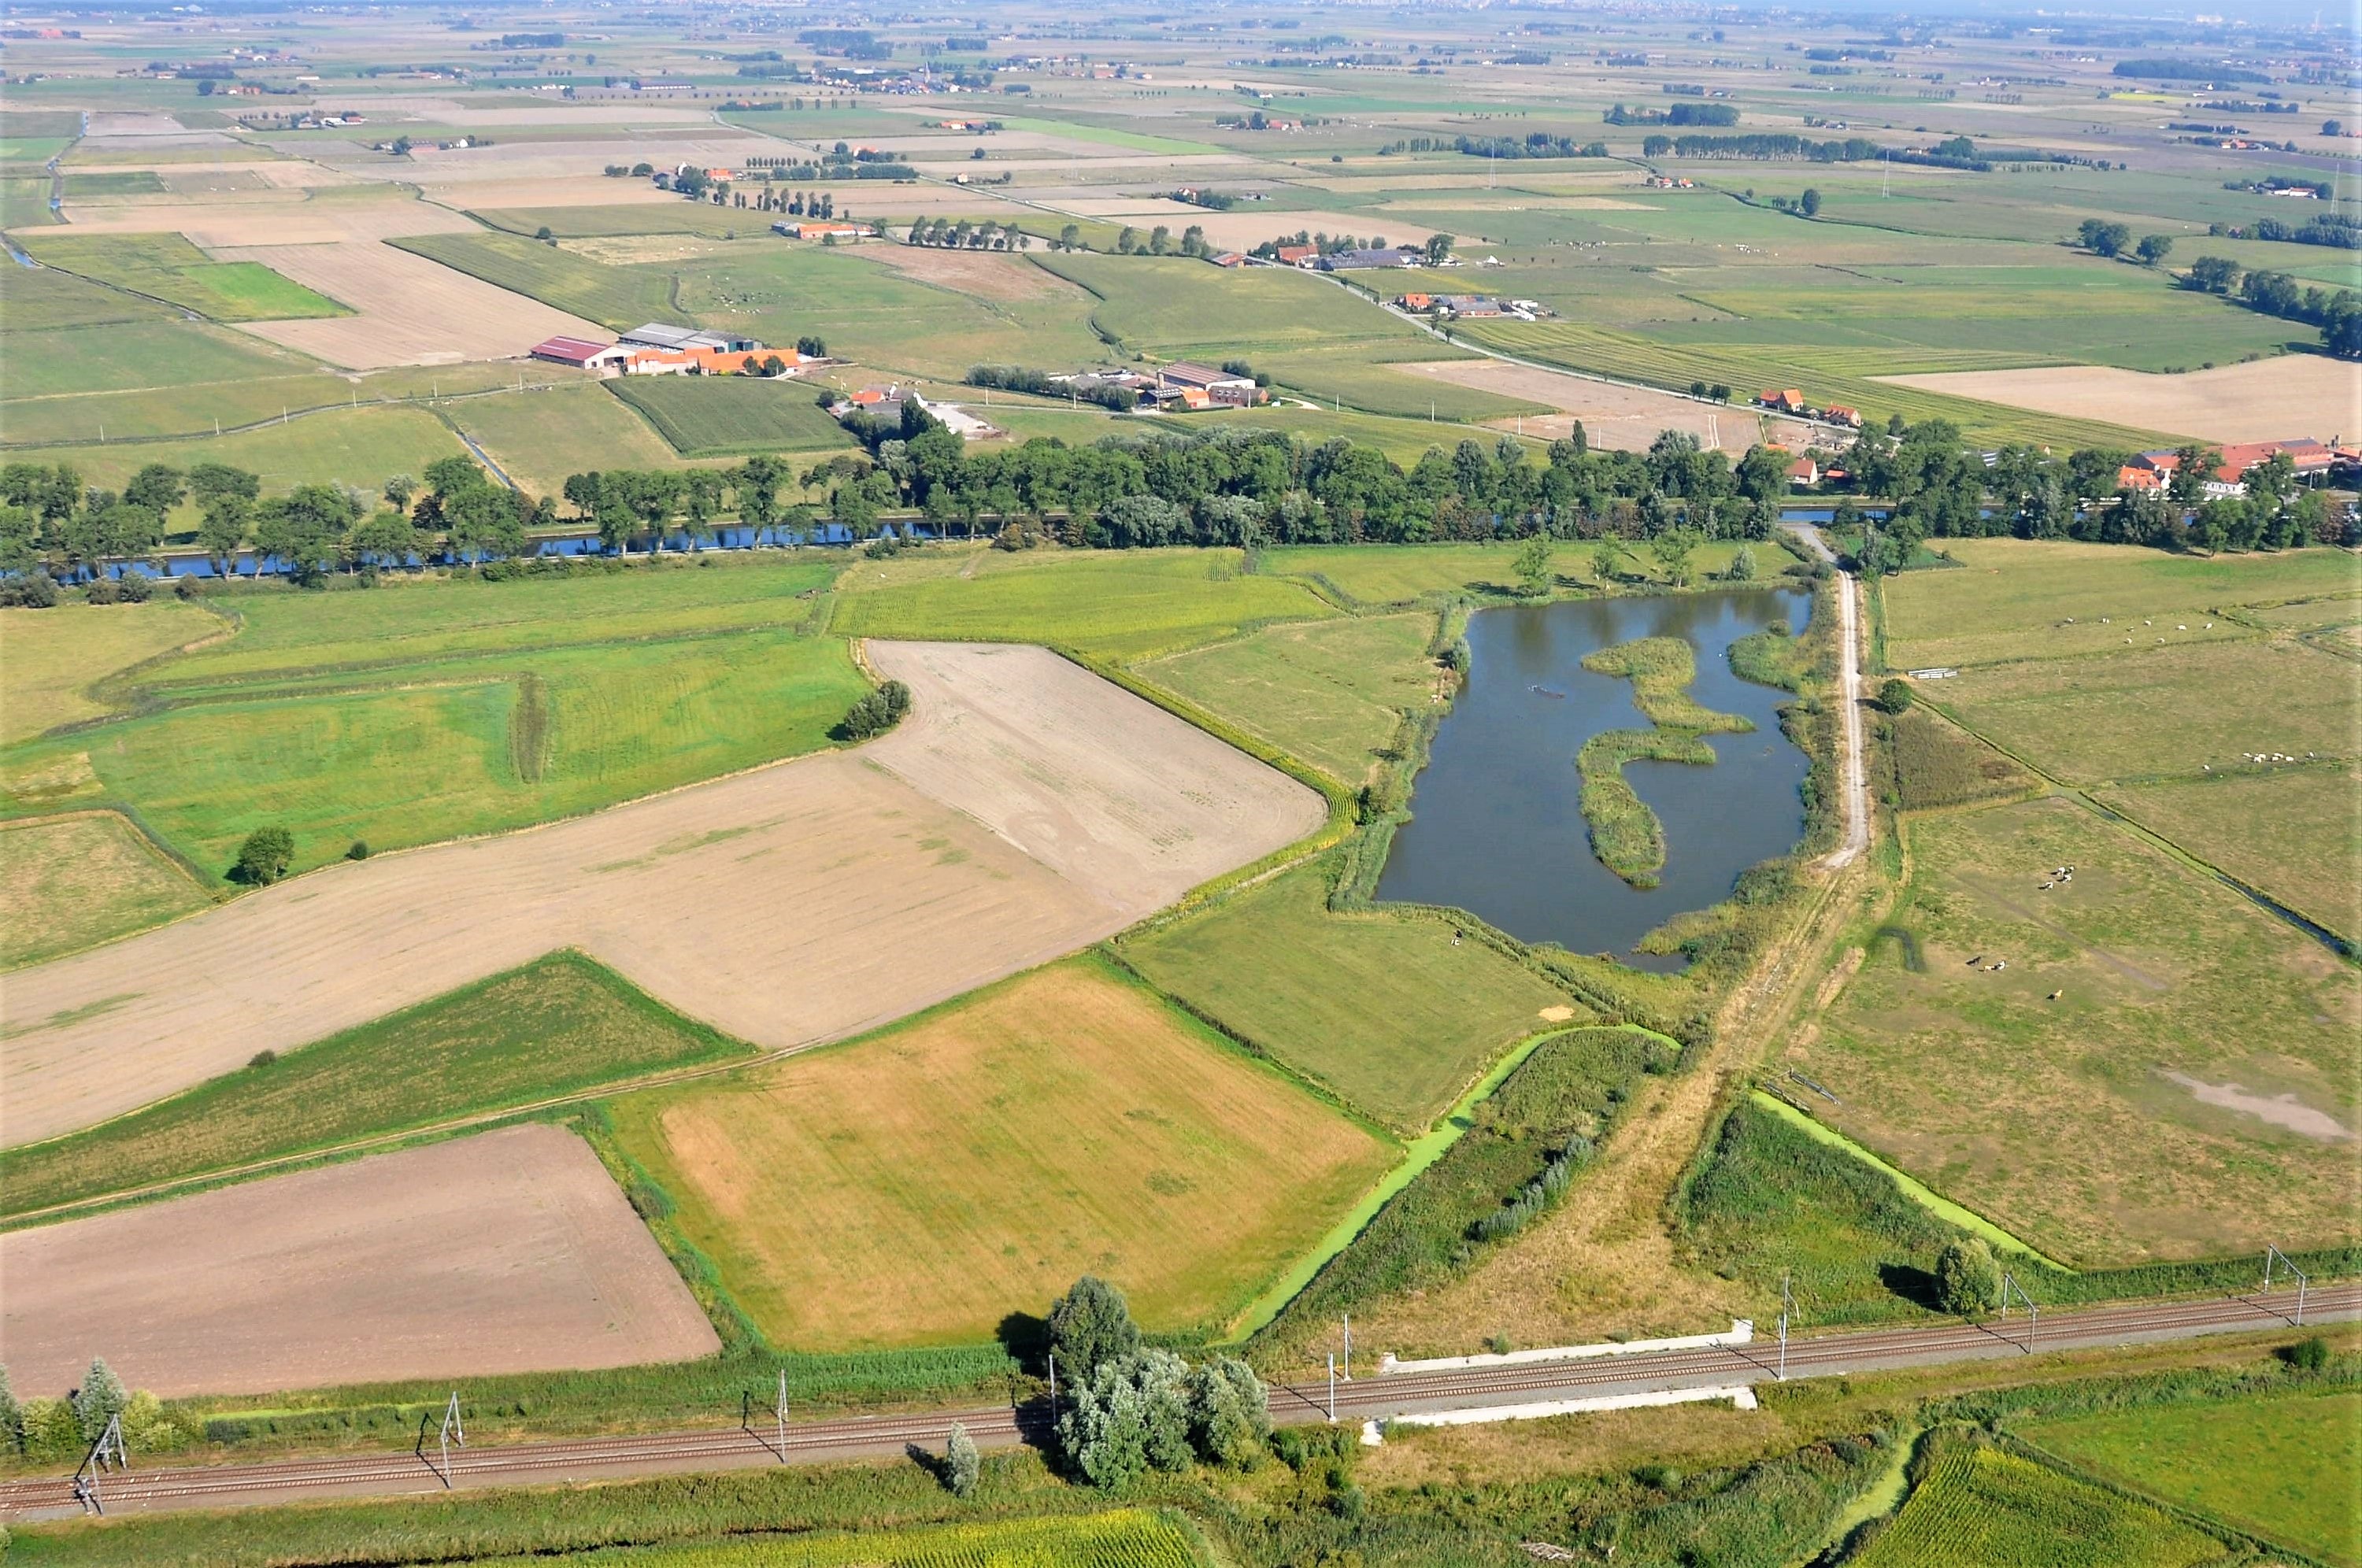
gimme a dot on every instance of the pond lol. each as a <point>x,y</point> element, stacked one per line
<point>1496,825</point>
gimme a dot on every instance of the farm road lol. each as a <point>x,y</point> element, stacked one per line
<point>1850,763</point>
<point>1025,809</point>
<point>1357,1400</point>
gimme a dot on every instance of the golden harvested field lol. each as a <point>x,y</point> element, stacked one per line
<point>509,1251</point>
<point>278,220</point>
<point>2262,400</point>
<point>51,662</point>
<point>1025,809</point>
<point>986,274</point>
<point>917,1186</point>
<point>1615,418</point>
<point>66,883</point>
<point>412,311</point>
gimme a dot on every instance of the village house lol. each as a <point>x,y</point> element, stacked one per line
<point>1789,401</point>
<point>1298,255</point>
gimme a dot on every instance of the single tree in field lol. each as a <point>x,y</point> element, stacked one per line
<point>1089,1324</point>
<point>961,1461</point>
<point>263,858</point>
<point>1810,206</point>
<point>2104,238</point>
<point>1613,558</point>
<point>1438,248</point>
<point>1533,565</point>
<point>1895,696</point>
<point>1672,549</point>
<point>1968,1281</point>
<point>1742,565</point>
<point>2154,248</point>
<point>99,1399</point>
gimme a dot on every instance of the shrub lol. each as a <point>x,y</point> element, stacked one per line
<point>12,1416</point>
<point>50,1431</point>
<point>875,713</point>
<point>263,858</point>
<point>32,591</point>
<point>2307,1355</point>
<point>961,1461</point>
<point>359,850</point>
<point>1091,1324</point>
<point>262,1058</point>
<point>1895,696</point>
<point>1968,1281</point>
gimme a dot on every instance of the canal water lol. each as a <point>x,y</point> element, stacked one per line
<point>1496,825</point>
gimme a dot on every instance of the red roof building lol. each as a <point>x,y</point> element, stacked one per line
<point>581,351</point>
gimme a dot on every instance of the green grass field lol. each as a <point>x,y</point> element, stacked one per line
<point>2282,1467</point>
<point>556,1026</point>
<point>387,715</point>
<point>618,297</point>
<point>125,356</point>
<point>540,438</point>
<point>169,268</point>
<point>55,658</point>
<point>915,1186</point>
<point>2017,597</point>
<point>363,447</point>
<point>1181,309</point>
<point>1329,692</point>
<point>1385,1009</point>
<point>1119,1538</point>
<point>43,298</point>
<point>2289,832</point>
<point>68,883</point>
<point>2150,712</point>
<point>1368,575</point>
<point>1357,378</point>
<point>718,415</point>
<point>1985,1509</point>
<point>2078,1122</point>
<point>1126,605</point>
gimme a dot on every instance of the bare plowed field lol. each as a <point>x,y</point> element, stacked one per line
<point>412,311</point>
<point>510,1252</point>
<point>276,219</point>
<point>1025,809</point>
<point>1616,418</point>
<point>2264,399</point>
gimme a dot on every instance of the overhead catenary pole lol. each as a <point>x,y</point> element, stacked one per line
<point>2032,1313</point>
<point>1787,1305</point>
<point>1332,1388</point>
<point>2302,1279</point>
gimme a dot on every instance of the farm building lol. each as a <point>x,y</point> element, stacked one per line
<point>1231,259</point>
<point>1364,261</point>
<point>820,229</point>
<point>711,361</point>
<point>1838,414</point>
<point>582,352</point>
<point>657,335</point>
<point>1221,387</point>
<point>1790,400</point>
<point>1298,255</point>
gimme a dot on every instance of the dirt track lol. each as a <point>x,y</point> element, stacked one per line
<point>511,1251</point>
<point>1026,808</point>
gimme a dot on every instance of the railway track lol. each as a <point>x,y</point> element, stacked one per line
<point>423,1468</point>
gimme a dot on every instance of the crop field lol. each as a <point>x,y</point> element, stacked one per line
<point>717,415</point>
<point>1025,808</point>
<point>1332,693</point>
<point>2017,598</point>
<point>68,882</point>
<point>1348,376</point>
<point>2171,710</point>
<point>1367,575</point>
<point>916,1187</point>
<point>2119,1120</point>
<point>616,297</point>
<point>1385,1009</point>
<point>169,268</point>
<point>1990,1509</point>
<point>2289,832</point>
<point>400,1265</point>
<point>2281,1467</point>
<point>2259,400</point>
<point>1126,605</point>
<point>1615,417</point>
<point>124,355</point>
<point>53,661</point>
<point>411,310</point>
<point>556,1026</point>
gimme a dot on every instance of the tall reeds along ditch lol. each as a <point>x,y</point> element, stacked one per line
<point>1625,834</point>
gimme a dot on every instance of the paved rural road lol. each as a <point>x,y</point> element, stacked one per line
<point>1857,779</point>
<point>1360,1399</point>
